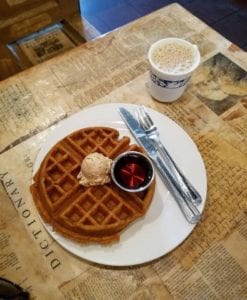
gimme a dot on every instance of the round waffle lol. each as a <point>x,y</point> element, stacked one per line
<point>86,214</point>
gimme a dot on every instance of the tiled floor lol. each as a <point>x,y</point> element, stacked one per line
<point>228,17</point>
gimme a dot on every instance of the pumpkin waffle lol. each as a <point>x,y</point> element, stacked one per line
<point>86,214</point>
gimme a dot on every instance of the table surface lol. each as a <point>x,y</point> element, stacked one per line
<point>211,263</point>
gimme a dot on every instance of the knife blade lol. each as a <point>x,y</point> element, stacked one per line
<point>189,210</point>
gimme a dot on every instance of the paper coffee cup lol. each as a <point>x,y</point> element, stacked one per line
<point>172,61</point>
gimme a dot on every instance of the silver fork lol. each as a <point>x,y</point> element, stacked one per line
<point>186,189</point>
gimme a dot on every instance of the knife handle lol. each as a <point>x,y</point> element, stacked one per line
<point>189,210</point>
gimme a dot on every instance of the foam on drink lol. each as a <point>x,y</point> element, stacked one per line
<point>173,58</point>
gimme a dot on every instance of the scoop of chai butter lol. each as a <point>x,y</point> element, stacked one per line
<point>95,170</point>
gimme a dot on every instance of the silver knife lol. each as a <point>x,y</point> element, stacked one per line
<point>189,210</point>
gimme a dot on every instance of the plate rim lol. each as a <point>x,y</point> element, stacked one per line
<point>57,237</point>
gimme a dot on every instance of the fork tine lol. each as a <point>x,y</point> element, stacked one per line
<point>147,116</point>
<point>141,118</point>
<point>138,115</point>
<point>147,119</point>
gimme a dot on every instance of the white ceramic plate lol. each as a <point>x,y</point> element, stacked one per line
<point>163,227</point>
